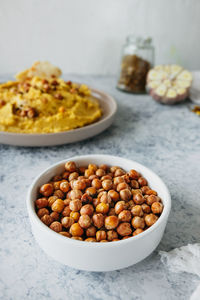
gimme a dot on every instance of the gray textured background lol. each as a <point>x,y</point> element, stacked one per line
<point>165,139</point>
<point>86,37</point>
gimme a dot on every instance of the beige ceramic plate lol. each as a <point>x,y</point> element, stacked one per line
<point>109,108</point>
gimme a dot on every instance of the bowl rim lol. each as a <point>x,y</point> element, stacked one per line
<point>32,213</point>
<point>101,120</point>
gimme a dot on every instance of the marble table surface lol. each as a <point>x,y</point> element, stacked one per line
<point>165,139</point>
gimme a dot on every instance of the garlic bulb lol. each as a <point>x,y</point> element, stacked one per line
<point>169,84</point>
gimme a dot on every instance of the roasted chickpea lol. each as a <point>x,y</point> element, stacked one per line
<point>119,206</point>
<point>111,235</point>
<point>92,167</point>
<point>125,194</point>
<point>107,184</point>
<point>51,200</point>
<point>124,229</point>
<point>47,219</point>
<point>88,182</point>
<point>133,174</point>
<point>87,209</point>
<point>70,166</point>
<point>113,195</point>
<point>91,231</point>
<point>114,168</point>
<point>98,220</point>
<point>76,230</point>
<point>66,202</point>
<point>59,194</point>
<point>96,183</point>
<point>67,222</point>
<point>100,172</point>
<point>119,172</point>
<point>74,194</point>
<point>57,178</point>
<point>151,199</point>
<point>55,215</point>
<point>65,233</point>
<point>46,190</point>
<point>93,177</point>
<point>90,240</point>
<point>106,177</point>
<point>73,176</point>
<point>75,215</point>
<point>130,204</point>
<point>71,183</point>
<point>150,219</point>
<point>79,184</point>
<point>138,222</point>
<point>126,178</point>
<point>151,192</point>
<point>42,211</point>
<point>115,240</point>
<point>118,180</point>
<point>144,189</point>
<point>64,186</point>
<point>103,241</point>
<point>56,185</point>
<point>102,208</point>
<point>91,191</point>
<point>75,205</point>
<point>125,216</point>
<point>56,226</point>
<point>86,198</point>
<point>136,191</point>
<point>137,211</point>
<point>100,235</point>
<point>111,222</point>
<point>156,208</point>
<point>104,167</point>
<point>84,221</point>
<point>142,181</point>
<point>101,192</point>
<point>126,237</point>
<point>58,206</point>
<point>81,177</point>
<point>65,175</point>
<point>137,231</point>
<point>138,198</point>
<point>88,173</point>
<point>78,238</point>
<point>134,184</point>
<point>95,202</point>
<point>121,186</point>
<point>66,211</point>
<point>41,203</point>
<point>105,198</point>
<point>146,208</point>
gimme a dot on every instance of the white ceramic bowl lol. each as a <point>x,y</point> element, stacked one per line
<point>99,256</point>
<point>109,107</point>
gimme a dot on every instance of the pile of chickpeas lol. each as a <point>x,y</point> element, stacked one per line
<point>98,203</point>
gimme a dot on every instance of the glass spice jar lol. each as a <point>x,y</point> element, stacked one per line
<point>137,59</point>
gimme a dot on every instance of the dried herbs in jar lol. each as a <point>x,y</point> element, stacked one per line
<point>137,59</point>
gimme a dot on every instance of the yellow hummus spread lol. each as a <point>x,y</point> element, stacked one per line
<point>40,102</point>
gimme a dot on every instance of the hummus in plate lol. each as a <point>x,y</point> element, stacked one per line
<point>41,102</point>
